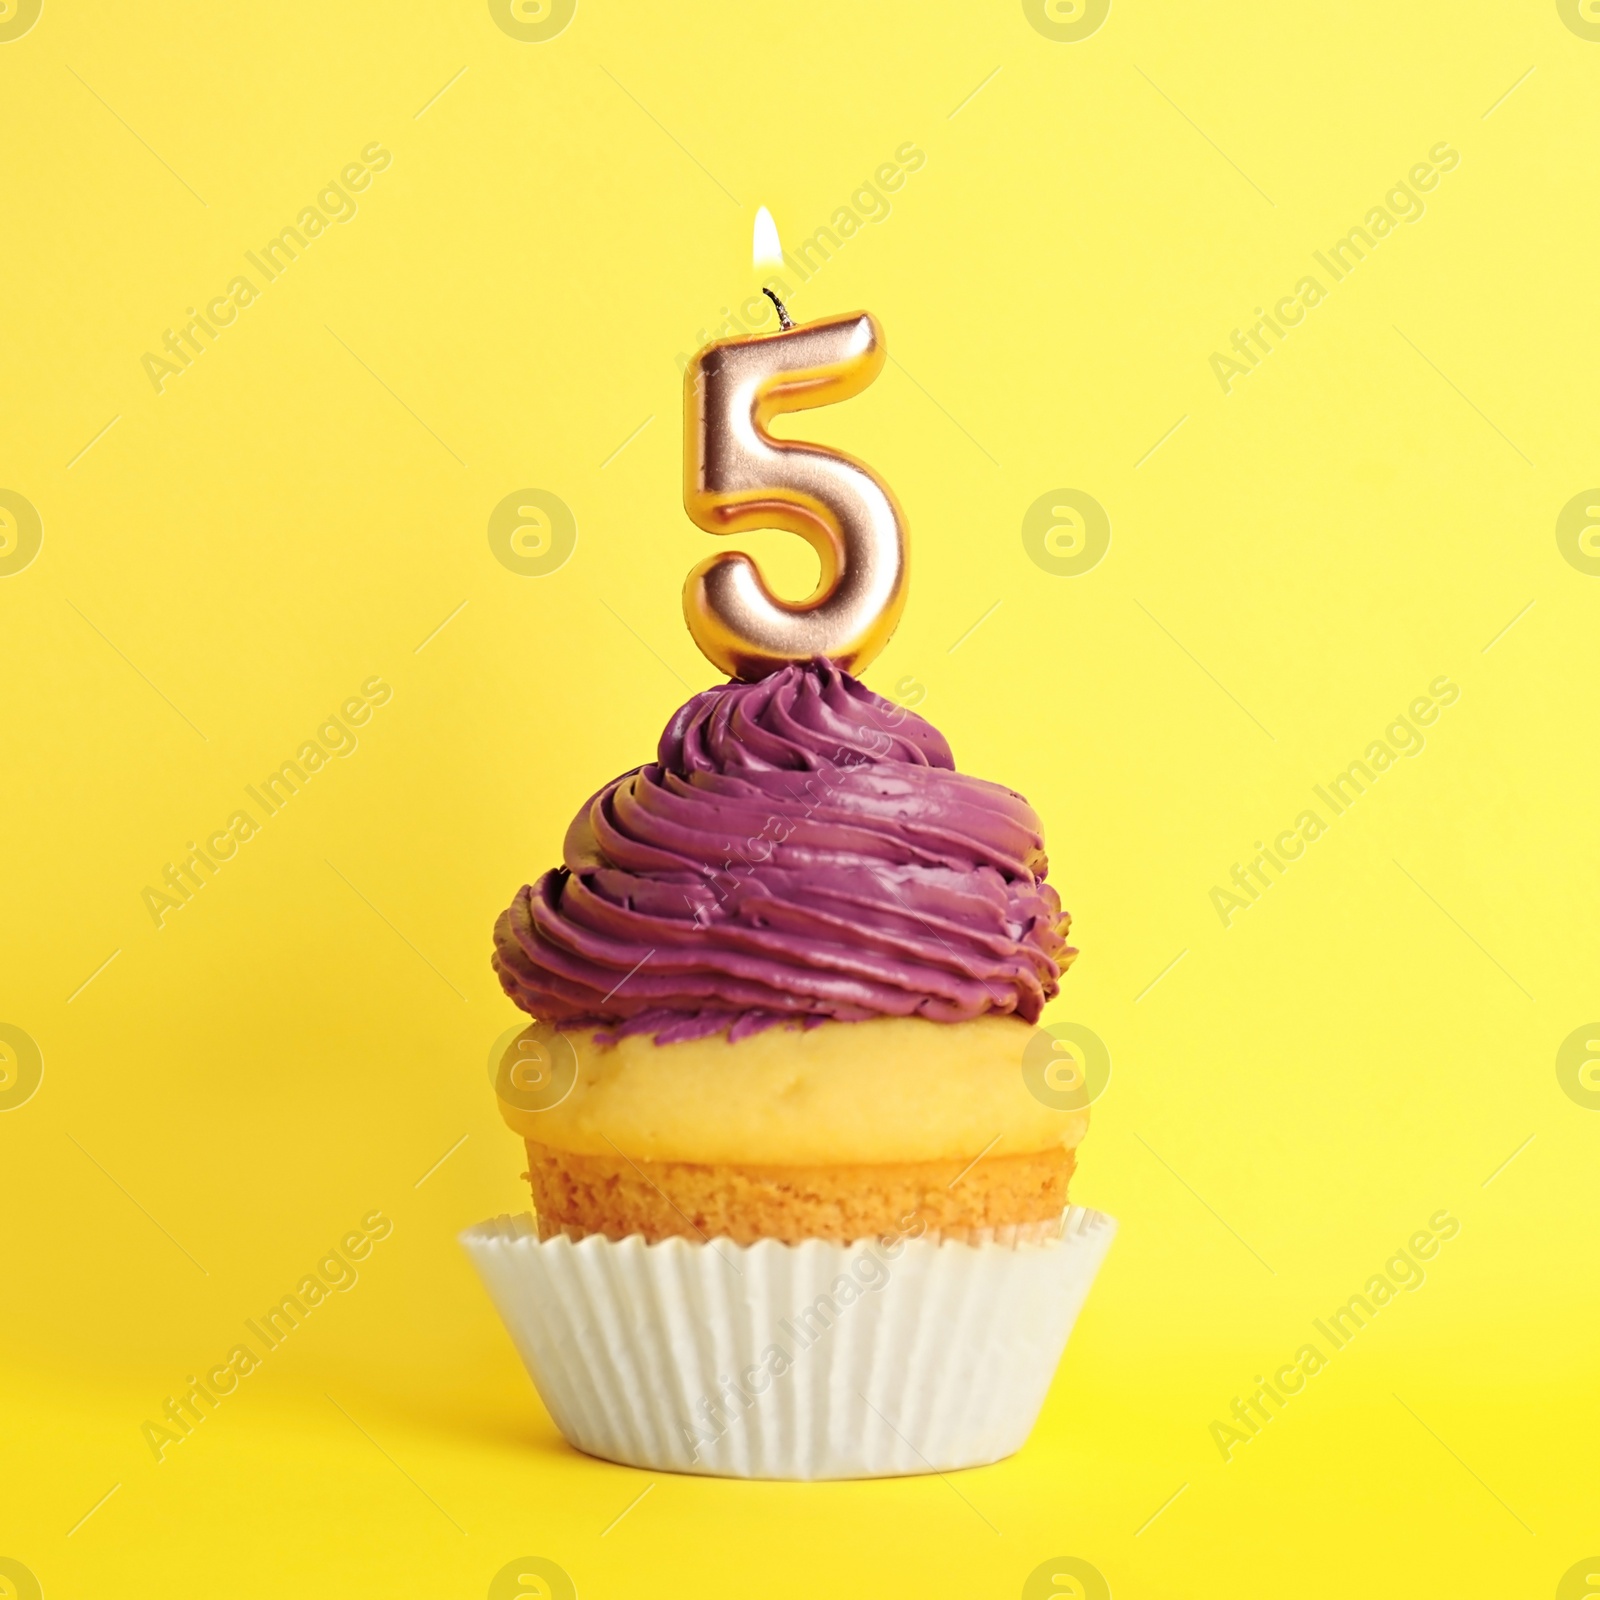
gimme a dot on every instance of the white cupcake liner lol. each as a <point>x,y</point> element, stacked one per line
<point>927,1357</point>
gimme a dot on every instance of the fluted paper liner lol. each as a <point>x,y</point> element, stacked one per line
<point>816,1360</point>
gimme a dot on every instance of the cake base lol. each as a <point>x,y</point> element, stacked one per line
<point>617,1197</point>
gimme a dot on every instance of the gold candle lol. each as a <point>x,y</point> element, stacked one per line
<point>736,475</point>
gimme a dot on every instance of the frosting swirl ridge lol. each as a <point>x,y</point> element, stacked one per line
<point>800,849</point>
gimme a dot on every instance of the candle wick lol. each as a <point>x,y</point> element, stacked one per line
<point>783,315</point>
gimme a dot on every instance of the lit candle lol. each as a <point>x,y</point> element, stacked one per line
<point>737,476</point>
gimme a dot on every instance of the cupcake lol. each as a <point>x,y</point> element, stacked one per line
<point>781,1149</point>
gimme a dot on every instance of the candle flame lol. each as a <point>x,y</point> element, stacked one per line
<point>765,249</point>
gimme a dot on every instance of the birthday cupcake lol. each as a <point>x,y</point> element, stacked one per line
<point>799,1167</point>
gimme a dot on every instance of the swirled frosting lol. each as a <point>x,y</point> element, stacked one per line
<point>800,849</point>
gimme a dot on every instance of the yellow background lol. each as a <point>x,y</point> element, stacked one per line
<point>304,506</point>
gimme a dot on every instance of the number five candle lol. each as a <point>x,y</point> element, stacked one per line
<point>736,476</point>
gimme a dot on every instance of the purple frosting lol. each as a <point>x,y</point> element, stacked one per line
<point>800,849</point>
